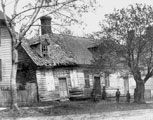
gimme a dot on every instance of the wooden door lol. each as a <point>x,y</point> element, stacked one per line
<point>63,87</point>
<point>97,85</point>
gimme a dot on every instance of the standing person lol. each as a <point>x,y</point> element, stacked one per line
<point>117,96</point>
<point>134,94</point>
<point>104,93</point>
<point>128,96</point>
<point>94,95</point>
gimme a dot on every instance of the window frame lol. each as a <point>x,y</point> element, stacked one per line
<point>0,70</point>
<point>44,50</point>
<point>107,79</point>
<point>0,37</point>
<point>86,78</point>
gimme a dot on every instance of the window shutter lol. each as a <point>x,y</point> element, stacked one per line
<point>50,83</point>
<point>87,82</point>
<point>0,70</point>
<point>107,80</point>
<point>0,37</point>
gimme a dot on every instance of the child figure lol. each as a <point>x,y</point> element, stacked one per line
<point>94,95</point>
<point>117,96</point>
<point>128,97</point>
<point>104,93</point>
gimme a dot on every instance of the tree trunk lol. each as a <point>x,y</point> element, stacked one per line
<point>139,92</point>
<point>14,104</point>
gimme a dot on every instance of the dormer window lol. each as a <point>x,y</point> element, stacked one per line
<point>44,50</point>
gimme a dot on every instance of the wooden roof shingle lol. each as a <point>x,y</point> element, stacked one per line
<point>63,50</point>
<point>57,56</point>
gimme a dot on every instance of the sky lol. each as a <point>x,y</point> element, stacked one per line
<point>93,18</point>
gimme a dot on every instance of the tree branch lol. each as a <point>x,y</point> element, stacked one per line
<point>149,74</point>
<point>44,6</point>
<point>68,17</point>
<point>30,22</point>
<point>50,12</point>
<point>15,7</point>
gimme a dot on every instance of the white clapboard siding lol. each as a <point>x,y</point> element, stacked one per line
<point>50,81</point>
<point>46,89</point>
<point>91,80</point>
<point>61,73</point>
<point>73,77</point>
<point>114,81</point>
<point>41,81</point>
<point>102,80</point>
<point>5,56</point>
<point>81,78</point>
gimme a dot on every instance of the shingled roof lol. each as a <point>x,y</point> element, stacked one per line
<point>57,55</point>
<point>76,47</point>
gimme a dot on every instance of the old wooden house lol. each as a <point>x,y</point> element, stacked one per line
<point>58,64</point>
<point>51,66</point>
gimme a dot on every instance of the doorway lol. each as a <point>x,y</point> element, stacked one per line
<point>97,85</point>
<point>63,87</point>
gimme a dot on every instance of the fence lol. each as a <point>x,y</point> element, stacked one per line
<point>24,97</point>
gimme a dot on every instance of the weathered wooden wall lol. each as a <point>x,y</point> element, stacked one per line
<point>26,67</point>
<point>46,94</point>
<point>62,73</point>
<point>5,56</point>
<point>82,74</point>
<point>48,81</point>
<point>24,97</point>
<point>75,77</point>
<point>116,82</point>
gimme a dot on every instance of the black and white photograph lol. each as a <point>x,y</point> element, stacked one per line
<point>76,59</point>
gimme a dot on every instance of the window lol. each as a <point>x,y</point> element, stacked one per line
<point>0,70</point>
<point>107,82</point>
<point>44,50</point>
<point>87,81</point>
<point>50,83</point>
<point>97,85</point>
<point>0,37</point>
<point>2,26</point>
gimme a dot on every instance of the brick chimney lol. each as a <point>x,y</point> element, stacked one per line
<point>45,25</point>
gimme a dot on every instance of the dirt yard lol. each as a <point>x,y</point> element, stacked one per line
<point>77,108</point>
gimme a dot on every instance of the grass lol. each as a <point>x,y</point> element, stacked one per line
<point>74,107</point>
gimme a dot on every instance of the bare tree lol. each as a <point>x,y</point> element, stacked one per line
<point>30,14</point>
<point>131,30</point>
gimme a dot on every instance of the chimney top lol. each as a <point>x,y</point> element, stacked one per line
<point>45,25</point>
<point>45,18</point>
